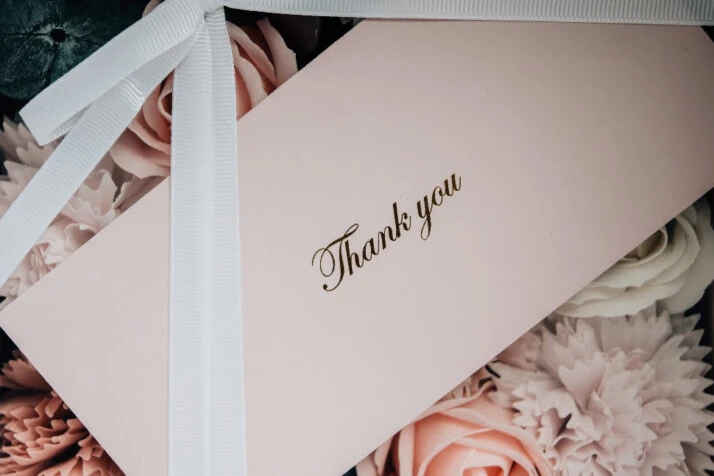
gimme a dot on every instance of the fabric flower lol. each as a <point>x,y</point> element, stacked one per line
<point>376,463</point>
<point>262,62</point>
<point>673,266</point>
<point>17,144</point>
<point>618,396</point>
<point>103,196</point>
<point>467,434</point>
<point>19,374</point>
<point>90,459</point>
<point>36,429</point>
<point>525,352</point>
<point>41,40</point>
<point>40,436</point>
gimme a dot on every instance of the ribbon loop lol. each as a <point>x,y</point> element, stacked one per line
<point>53,112</point>
<point>94,133</point>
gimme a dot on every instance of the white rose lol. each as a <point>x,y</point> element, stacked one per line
<point>673,267</point>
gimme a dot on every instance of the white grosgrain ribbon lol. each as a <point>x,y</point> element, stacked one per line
<point>95,102</point>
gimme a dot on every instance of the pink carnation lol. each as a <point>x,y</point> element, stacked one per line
<point>39,434</point>
<point>618,396</point>
<point>100,200</point>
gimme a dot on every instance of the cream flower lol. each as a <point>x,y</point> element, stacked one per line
<point>618,396</point>
<point>103,196</point>
<point>673,266</point>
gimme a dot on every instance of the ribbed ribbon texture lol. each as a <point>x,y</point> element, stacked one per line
<point>207,429</point>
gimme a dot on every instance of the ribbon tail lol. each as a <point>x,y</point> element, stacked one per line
<point>206,397</point>
<point>228,422</point>
<point>75,158</point>
<point>189,306</point>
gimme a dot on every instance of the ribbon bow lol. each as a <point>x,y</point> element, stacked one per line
<point>95,102</point>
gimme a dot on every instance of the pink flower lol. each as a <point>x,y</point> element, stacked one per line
<point>19,374</point>
<point>40,436</point>
<point>262,62</point>
<point>618,396</point>
<point>23,157</point>
<point>103,196</point>
<point>525,352</point>
<point>36,428</point>
<point>90,459</point>
<point>468,434</point>
<point>376,463</point>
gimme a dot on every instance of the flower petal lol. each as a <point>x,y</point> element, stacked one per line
<point>701,273</point>
<point>137,157</point>
<point>284,58</point>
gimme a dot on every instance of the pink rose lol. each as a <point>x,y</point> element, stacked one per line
<point>466,435</point>
<point>262,62</point>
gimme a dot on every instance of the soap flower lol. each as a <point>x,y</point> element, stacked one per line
<point>41,41</point>
<point>90,459</point>
<point>39,434</point>
<point>103,196</point>
<point>464,433</point>
<point>262,62</point>
<point>673,267</point>
<point>622,395</point>
<point>36,429</point>
<point>525,352</point>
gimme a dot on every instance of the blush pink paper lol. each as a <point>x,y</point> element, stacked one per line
<point>573,142</point>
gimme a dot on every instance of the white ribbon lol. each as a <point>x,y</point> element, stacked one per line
<point>95,102</point>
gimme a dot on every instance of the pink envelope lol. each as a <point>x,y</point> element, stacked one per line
<point>545,152</point>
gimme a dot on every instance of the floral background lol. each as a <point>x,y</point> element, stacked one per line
<point>40,40</point>
<point>616,381</point>
<point>524,411</point>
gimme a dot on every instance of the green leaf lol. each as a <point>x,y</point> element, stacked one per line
<point>40,40</point>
